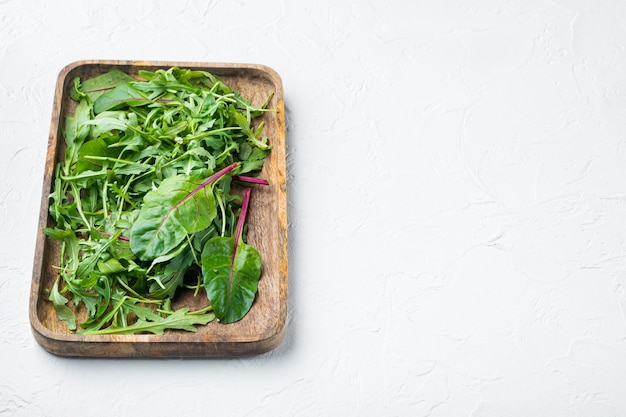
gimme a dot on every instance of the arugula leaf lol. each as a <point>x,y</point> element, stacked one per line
<point>253,135</point>
<point>63,311</point>
<point>181,319</point>
<point>56,233</point>
<point>75,132</point>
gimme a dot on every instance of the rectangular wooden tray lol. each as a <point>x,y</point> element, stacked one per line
<point>263,328</point>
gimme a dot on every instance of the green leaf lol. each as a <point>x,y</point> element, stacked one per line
<point>132,168</point>
<point>231,271</point>
<point>124,94</point>
<point>75,129</point>
<point>230,281</point>
<point>111,266</point>
<point>179,206</point>
<point>181,320</point>
<point>88,262</point>
<point>95,87</point>
<point>254,162</point>
<point>112,120</point>
<point>171,254</point>
<point>243,122</point>
<point>164,286</point>
<point>57,234</point>
<point>63,311</point>
<point>71,248</point>
<point>173,274</point>
<point>77,90</point>
<point>75,132</point>
<point>90,155</point>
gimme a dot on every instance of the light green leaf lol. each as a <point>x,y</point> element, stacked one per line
<point>111,266</point>
<point>63,311</point>
<point>180,320</point>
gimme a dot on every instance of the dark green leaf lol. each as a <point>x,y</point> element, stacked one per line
<point>230,281</point>
<point>90,155</point>
<point>124,94</point>
<point>95,87</point>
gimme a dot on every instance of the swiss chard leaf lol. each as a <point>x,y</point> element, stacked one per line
<point>179,206</point>
<point>124,94</point>
<point>95,87</point>
<point>231,271</point>
<point>230,281</point>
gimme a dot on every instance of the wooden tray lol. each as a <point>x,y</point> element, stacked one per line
<point>263,328</point>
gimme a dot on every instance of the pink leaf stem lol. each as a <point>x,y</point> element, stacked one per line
<point>251,180</point>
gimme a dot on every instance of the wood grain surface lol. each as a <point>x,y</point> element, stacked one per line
<point>263,328</point>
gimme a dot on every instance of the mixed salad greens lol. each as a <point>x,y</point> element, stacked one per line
<point>142,202</point>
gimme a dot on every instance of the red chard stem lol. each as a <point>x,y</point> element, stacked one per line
<point>252,180</point>
<point>242,219</point>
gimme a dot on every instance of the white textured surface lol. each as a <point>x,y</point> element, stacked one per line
<point>457,206</point>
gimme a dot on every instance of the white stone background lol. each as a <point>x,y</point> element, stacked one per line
<point>457,206</point>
